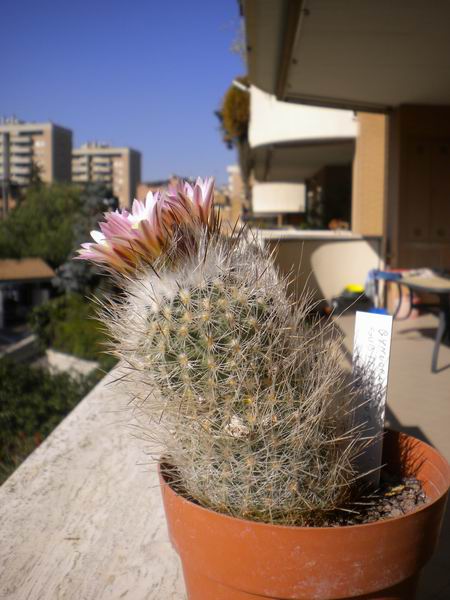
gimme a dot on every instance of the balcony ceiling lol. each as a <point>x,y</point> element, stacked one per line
<point>356,54</point>
<point>295,162</point>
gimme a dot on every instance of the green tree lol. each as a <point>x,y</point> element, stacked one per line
<point>80,276</point>
<point>32,403</point>
<point>68,324</point>
<point>43,224</point>
<point>36,174</point>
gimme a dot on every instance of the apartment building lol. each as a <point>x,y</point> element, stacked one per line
<point>118,168</point>
<point>30,148</point>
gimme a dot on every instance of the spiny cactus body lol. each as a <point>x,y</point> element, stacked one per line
<point>239,388</point>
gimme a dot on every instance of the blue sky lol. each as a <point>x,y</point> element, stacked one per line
<point>143,74</point>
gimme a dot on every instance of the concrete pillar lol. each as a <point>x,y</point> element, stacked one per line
<point>369,175</point>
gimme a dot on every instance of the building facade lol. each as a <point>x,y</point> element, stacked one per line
<point>401,175</point>
<point>32,150</point>
<point>118,168</point>
<point>301,157</point>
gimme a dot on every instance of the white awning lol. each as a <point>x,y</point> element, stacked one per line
<point>296,161</point>
<point>276,198</point>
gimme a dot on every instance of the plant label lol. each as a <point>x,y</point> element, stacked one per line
<point>371,352</point>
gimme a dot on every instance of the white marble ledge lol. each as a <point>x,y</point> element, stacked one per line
<point>82,517</point>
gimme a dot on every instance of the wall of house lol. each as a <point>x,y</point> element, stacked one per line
<point>418,209</point>
<point>369,175</point>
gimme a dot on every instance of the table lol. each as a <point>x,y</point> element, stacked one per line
<point>440,286</point>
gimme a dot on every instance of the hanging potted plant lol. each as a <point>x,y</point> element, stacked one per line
<point>244,395</point>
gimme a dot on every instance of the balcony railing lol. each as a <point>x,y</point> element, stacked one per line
<point>20,180</point>
<point>22,140</point>
<point>101,169</point>
<point>21,159</point>
<point>19,149</point>
<point>20,169</point>
<point>102,177</point>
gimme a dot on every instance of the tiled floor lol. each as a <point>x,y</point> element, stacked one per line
<point>419,404</point>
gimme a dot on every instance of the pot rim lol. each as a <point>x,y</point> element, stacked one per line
<point>359,526</point>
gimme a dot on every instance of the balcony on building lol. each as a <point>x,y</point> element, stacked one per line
<point>97,168</point>
<point>21,140</point>
<point>21,159</point>
<point>104,177</point>
<point>20,169</point>
<point>80,177</point>
<point>79,170</point>
<point>19,179</point>
<point>302,160</point>
<point>99,160</point>
<point>293,144</point>
<point>20,150</point>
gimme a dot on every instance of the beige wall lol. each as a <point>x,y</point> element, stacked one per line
<point>125,191</point>
<point>44,154</point>
<point>369,175</point>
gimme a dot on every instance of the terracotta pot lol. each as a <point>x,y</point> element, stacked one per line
<point>225,558</point>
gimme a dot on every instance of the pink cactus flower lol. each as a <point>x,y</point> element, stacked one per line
<point>127,240</point>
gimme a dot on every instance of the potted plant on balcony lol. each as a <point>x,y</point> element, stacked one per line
<point>243,393</point>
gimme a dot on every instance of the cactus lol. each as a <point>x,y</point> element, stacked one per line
<point>244,388</point>
<point>240,388</point>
